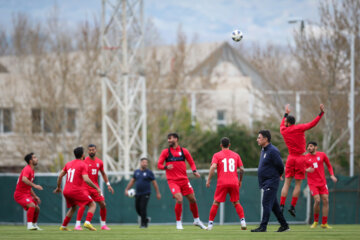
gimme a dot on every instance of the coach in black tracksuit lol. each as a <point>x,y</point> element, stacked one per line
<point>270,170</point>
<point>142,178</point>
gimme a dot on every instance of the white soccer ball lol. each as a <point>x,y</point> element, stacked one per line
<point>236,35</point>
<point>131,192</point>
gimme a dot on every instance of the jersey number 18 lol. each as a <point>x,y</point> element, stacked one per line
<point>229,165</point>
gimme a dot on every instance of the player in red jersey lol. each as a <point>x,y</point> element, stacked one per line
<point>226,162</point>
<point>25,195</point>
<point>94,166</point>
<point>317,182</point>
<point>178,182</point>
<point>75,192</point>
<point>294,137</point>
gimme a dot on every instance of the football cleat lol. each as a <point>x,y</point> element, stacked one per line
<point>326,226</point>
<point>179,226</point>
<point>78,228</point>
<point>32,228</point>
<point>89,226</point>
<point>292,211</point>
<point>314,225</point>
<point>64,229</point>
<point>105,228</point>
<point>259,229</point>
<point>199,224</point>
<point>210,226</point>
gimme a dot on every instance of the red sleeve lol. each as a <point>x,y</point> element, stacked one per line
<point>164,154</point>
<point>189,159</point>
<point>27,173</point>
<point>240,163</point>
<point>101,166</point>
<point>214,160</point>
<point>282,124</point>
<point>84,170</point>
<point>307,126</point>
<point>65,168</point>
<point>327,162</point>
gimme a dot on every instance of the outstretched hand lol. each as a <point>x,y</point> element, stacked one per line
<point>322,108</point>
<point>287,108</point>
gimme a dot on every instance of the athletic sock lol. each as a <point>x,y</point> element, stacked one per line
<point>103,214</point>
<point>213,212</point>
<point>282,200</point>
<point>194,210</point>
<point>36,216</point>
<point>89,216</point>
<point>324,219</point>
<point>66,221</point>
<point>30,214</point>
<point>80,213</point>
<point>239,210</point>
<point>178,211</point>
<point>316,217</point>
<point>294,201</point>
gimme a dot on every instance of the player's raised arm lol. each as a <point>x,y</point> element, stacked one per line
<point>61,175</point>
<point>287,111</point>
<point>313,123</point>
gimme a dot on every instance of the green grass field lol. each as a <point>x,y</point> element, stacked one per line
<point>297,232</point>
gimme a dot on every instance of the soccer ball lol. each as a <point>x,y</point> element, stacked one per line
<point>236,35</point>
<point>131,192</point>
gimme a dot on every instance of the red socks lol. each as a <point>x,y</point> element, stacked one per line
<point>103,214</point>
<point>324,220</point>
<point>36,216</point>
<point>194,210</point>
<point>213,212</point>
<point>178,211</point>
<point>316,217</point>
<point>240,211</point>
<point>294,201</point>
<point>282,200</point>
<point>80,213</point>
<point>66,221</point>
<point>89,216</point>
<point>30,214</point>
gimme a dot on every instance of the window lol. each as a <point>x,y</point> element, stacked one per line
<point>51,121</point>
<point>6,120</point>
<point>221,118</point>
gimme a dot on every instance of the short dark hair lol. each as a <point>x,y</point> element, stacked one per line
<point>175,135</point>
<point>312,143</point>
<point>144,158</point>
<point>28,157</point>
<point>225,142</point>
<point>91,145</point>
<point>291,119</point>
<point>266,134</point>
<point>78,152</point>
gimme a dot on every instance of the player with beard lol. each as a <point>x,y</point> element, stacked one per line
<point>174,158</point>
<point>94,166</point>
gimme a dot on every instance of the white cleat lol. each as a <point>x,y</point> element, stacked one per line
<point>179,227</point>
<point>200,225</point>
<point>210,226</point>
<point>37,227</point>
<point>243,225</point>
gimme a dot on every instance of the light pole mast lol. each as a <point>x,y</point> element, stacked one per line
<point>123,85</point>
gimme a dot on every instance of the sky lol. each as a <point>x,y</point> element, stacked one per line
<point>261,21</point>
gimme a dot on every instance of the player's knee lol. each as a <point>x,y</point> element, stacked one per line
<point>325,201</point>
<point>37,208</point>
<point>317,201</point>
<point>31,205</point>
<point>102,204</point>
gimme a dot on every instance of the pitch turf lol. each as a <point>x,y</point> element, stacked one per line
<point>168,232</point>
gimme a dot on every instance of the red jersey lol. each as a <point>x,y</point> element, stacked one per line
<point>21,187</point>
<point>316,161</point>
<point>294,135</point>
<point>94,166</point>
<point>177,159</point>
<point>227,164</point>
<point>75,169</point>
